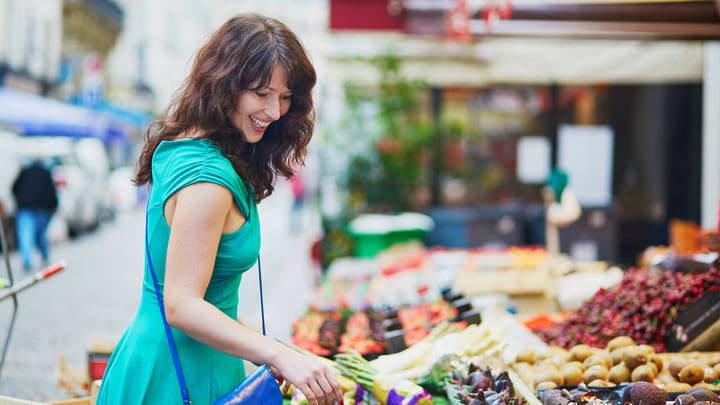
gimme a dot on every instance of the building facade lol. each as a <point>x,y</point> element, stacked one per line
<point>30,44</point>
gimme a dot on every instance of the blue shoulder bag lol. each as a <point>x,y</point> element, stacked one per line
<point>258,387</point>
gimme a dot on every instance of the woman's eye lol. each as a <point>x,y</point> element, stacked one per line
<point>260,94</point>
<point>287,97</point>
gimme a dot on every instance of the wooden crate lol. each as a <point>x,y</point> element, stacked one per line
<point>14,401</point>
<point>511,282</point>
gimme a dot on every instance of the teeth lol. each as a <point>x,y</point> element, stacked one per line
<point>261,124</point>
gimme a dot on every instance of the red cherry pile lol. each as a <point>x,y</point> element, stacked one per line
<point>643,306</point>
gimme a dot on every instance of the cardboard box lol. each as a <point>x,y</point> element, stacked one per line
<point>94,389</point>
<point>511,282</point>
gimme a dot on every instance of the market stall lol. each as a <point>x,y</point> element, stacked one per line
<point>644,334</point>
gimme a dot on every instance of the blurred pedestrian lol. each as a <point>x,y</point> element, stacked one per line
<point>561,208</point>
<point>36,200</point>
<point>242,117</point>
<point>297,186</point>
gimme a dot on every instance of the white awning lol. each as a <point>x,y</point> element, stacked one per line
<point>519,60</point>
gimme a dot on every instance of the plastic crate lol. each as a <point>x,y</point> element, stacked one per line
<point>373,233</point>
<point>369,245</point>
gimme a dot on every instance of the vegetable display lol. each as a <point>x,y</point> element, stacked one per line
<point>388,390</point>
<point>578,396</point>
<point>326,333</point>
<point>643,307</point>
<point>446,338</point>
<point>480,387</point>
<point>417,321</point>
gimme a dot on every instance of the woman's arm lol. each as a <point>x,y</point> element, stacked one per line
<point>198,217</point>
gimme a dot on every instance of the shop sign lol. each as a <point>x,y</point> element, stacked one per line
<point>383,15</point>
<point>458,22</point>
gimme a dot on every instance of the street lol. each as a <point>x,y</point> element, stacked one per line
<point>96,296</point>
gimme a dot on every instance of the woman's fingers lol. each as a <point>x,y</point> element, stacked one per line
<point>317,392</point>
<point>309,395</point>
<point>277,375</point>
<point>327,389</point>
<point>335,384</point>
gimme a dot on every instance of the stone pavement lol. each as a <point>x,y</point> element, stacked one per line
<point>97,295</point>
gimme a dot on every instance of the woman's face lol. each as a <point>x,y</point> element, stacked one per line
<point>256,109</point>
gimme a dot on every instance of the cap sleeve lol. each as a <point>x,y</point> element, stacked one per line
<point>179,164</point>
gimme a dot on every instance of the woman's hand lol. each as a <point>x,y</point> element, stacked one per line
<point>313,378</point>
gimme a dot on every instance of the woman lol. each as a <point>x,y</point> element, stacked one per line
<point>243,116</point>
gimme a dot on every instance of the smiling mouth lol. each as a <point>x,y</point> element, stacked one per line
<point>257,124</point>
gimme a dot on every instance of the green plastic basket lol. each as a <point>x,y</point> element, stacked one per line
<point>368,244</point>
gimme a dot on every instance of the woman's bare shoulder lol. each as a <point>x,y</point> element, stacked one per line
<point>202,201</point>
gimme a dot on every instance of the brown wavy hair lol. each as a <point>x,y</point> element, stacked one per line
<point>240,53</point>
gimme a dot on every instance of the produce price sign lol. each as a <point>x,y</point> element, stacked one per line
<point>695,318</point>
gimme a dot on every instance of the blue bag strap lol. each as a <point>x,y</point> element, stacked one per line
<point>168,332</point>
<point>262,307</point>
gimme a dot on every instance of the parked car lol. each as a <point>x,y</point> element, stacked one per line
<point>80,169</point>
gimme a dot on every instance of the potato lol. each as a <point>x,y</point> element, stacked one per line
<point>550,362</point>
<point>581,352</point>
<point>647,349</point>
<point>525,356</point>
<point>543,376</point>
<point>657,361</point>
<point>691,374</point>
<point>642,373</point>
<point>571,374</point>
<point>695,355</point>
<point>558,354</point>
<point>547,365</point>
<point>596,372</point>
<point>522,367</point>
<point>710,375</point>
<point>546,385</point>
<point>617,354</point>
<point>716,369</point>
<point>618,342</point>
<point>653,367</point>
<point>676,365</point>
<point>602,358</point>
<point>634,356</point>
<point>600,383</point>
<point>715,359</point>
<point>677,387</point>
<point>619,374</point>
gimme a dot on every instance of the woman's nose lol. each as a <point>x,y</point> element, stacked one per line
<point>272,109</point>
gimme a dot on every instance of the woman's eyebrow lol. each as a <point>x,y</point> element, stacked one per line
<point>287,91</point>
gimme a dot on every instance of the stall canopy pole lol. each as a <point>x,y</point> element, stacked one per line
<point>710,191</point>
<point>438,148</point>
<point>6,254</point>
<point>553,123</point>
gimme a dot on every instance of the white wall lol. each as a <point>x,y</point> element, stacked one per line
<point>173,31</point>
<point>711,137</point>
<point>30,36</point>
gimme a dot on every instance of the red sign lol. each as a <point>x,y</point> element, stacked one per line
<point>494,11</point>
<point>383,15</point>
<point>458,22</point>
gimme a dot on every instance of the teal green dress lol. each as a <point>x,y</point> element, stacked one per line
<point>140,370</point>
